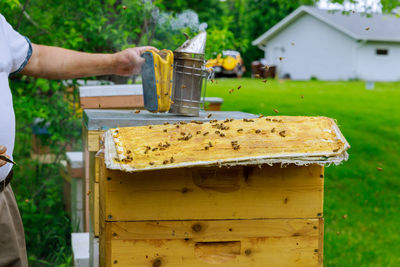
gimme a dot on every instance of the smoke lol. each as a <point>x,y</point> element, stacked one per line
<point>186,19</point>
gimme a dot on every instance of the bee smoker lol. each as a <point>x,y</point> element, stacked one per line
<point>173,81</point>
<point>188,74</point>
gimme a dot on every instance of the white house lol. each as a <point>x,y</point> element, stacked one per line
<point>329,45</point>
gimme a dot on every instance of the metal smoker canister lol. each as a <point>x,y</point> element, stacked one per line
<point>189,72</point>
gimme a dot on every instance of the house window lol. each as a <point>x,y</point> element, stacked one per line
<point>382,52</point>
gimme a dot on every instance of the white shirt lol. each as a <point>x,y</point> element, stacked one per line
<point>15,51</point>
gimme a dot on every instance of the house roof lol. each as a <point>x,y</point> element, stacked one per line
<point>381,27</point>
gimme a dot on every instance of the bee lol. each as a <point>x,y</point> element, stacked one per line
<point>198,132</point>
<point>162,148</point>
<point>257,76</point>
<point>231,91</point>
<point>260,116</point>
<point>367,29</point>
<point>124,7</point>
<point>182,133</point>
<point>151,163</point>
<point>268,119</point>
<point>217,132</point>
<point>258,131</point>
<point>212,80</point>
<point>302,96</point>
<point>281,58</point>
<point>150,127</point>
<point>172,160</point>
<point>265,81</point>
<point>282,133</point>
<point>266,67</point>
<point>248,120</point>
<point>128,152</point>
<point>272,130</point>
<point>137,111</point>
<point>197,122</point>
<point>177,126</point>
<point>276,111</point>
<point>206,148</point>
<point>239,87</point>
<point>240,130</point>
<point>210,144</point>
<point>236,147</point>
<point>148,147</point>
<point>292,43</point>
<point>183,86</point>
<point>154,149</point>
<point>209,115</point>
<point>165,130</point>
<point>165,162</point>
<point>222,135</point>
<point>379,169</point>
<point>336,150</point>
<point>166,123</point>
<point>204,134</point>
<point>227,120</point>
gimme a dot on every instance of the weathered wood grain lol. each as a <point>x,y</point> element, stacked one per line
<point>212,193</point>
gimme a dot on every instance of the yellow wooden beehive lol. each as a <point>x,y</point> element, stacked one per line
<point>216,193</point>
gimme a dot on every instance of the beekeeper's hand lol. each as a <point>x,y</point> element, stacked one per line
<point>58,63</point>
<point>3,151</point>
<point>129,61</point>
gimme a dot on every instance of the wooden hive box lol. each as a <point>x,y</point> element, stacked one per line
<point>95,123</point>
<point>219,206</point>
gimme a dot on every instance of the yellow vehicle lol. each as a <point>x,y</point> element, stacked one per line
<point>228,63</point>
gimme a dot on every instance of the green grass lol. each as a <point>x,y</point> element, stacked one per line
<point>370,121</point>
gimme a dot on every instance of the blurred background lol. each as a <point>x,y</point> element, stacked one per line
<point>316,58</point>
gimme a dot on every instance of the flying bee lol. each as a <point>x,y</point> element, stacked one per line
<point>276,111</point>
<point>137,111</point>
<point>151,163</point>
<point>209,115</point>
<point>239,87</point>
<point>367,29</point>
<point>281,58</point>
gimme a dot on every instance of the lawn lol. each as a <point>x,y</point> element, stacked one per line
<point>362,204</point>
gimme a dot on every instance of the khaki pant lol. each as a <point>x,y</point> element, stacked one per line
<point>12,238</point>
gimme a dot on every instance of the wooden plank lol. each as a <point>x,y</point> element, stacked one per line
<point>94,197</point>
<point>321,242</point>
<point>111,102</point>
<point>279,242</point>
<point>213,193</point>
<point>217,230</point>
<point>93,140</point>
<point>96,215</point>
